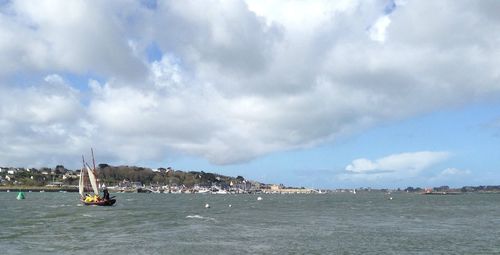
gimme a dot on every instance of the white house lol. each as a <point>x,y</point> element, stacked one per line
<point>69,175</point>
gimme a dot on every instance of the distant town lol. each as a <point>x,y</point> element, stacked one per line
<point>137,179</point>
<point>169,180</point>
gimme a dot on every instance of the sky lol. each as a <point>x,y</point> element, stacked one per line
<point>324,94</point>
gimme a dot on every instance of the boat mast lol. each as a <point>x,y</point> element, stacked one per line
<point>81,183</point>
<point>93,160</point>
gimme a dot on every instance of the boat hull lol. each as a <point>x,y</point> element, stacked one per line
<point>101,203</point>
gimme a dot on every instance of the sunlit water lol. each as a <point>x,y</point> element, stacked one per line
<point>341,223</point>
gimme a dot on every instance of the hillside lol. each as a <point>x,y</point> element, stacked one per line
<point>115,175</point>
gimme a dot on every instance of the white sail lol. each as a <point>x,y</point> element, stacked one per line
<point>80,183</point>
<point>93,181</point>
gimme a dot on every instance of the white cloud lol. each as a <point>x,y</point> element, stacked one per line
<point>395,167</point>
<point>302,16</point>
<point>237,80</point>
<point>453,171</point>
<point>407,162</point>
<point>42,124</point>
<point>450,174</point>
<point>167,74</point>
<point>361,165</point>
<point>454,177</point>
<point>378,30</point>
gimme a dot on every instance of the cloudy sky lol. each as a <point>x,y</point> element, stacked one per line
<point>307,93</point>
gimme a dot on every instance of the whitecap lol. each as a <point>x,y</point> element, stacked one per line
<point>196,216</point>
<point>57,206</point>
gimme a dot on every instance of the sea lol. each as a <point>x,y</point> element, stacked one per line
<point>334,223</point>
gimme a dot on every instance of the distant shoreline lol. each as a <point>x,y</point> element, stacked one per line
<point>36,189</point>
<point>75,190</point>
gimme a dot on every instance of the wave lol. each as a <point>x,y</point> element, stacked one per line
<point>196,216</point>
<point>58,206</point>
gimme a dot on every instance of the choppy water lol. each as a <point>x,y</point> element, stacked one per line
<point>366,223</point>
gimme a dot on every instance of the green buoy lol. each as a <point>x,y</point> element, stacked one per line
<point>20,196</point>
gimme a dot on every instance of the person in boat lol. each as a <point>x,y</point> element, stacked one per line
<point>106,193</point>
<point>88,198</point>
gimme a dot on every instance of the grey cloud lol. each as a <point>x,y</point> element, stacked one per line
<point>76,36</point>
<point>223,36</point>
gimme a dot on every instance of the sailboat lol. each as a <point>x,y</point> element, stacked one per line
<point>88,183</point>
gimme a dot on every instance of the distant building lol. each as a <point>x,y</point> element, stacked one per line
<point>275,187</point>
<point>129,184</point>
<point>136,184</point>
<point>55,184</point>
<point>69,175</point>
<point>441,188</point>
<point>124,184</point>
<point>32,170</point>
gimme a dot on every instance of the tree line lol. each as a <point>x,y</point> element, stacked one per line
<point>113,175</point>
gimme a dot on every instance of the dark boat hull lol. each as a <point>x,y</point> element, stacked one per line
<point>101,203</point>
